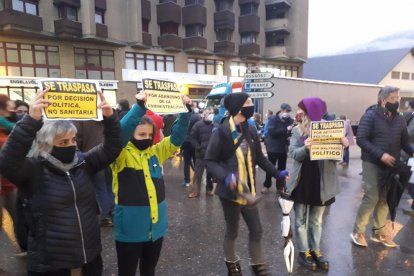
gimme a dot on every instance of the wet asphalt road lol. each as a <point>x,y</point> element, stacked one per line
<point>196,226</point>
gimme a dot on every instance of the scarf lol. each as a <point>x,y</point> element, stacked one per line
<point>244,174</point>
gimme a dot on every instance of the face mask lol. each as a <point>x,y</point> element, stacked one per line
<point>247,111</point>
<point>64,154</point>
<point>392,107</point>
<point>196,110</point>
<point>12,118</point>
<point>19,116</point>
<point>141,144</point>
<point>209,118</point>
<point>299,118</point>
<point>285,115</point>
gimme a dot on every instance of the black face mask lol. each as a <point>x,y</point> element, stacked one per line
<point>247,111</point>
<point>64,154</point>
<point>19,116</point>
<point>392,107</point>
<point>12,118</point>
<point>141,144</point>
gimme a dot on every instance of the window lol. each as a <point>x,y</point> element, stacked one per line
<point>248,38</point>
<point>26,6</point>
<point>99,16</point>
<point>17,59</point>
<point>274,39</point>
<point>238,69</point>
<point>145,25</point>
<point>247,9</point>
<point>149,62</point>
<point>272,12</point>
<point>405,76</point>
<point>68,12</point>
<point>280,70</point>
<point>224,35</point>
<point>169,28</point>
<point>412,76</point>
<point>94,64</point>
<point>194,30</point>
<point>194,2</point>
<point>205,66</point>
<point>224,5</point>
<point>197,91</point>
<point>395,75</point>
<point>166,1</point>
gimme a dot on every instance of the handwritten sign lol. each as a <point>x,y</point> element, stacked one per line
<point>326,140</point>
<point>163,97</point>
<point>71,99</point>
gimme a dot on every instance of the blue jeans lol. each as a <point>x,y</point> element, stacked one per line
<point>104,195</point>
<point>308,226</point>
<point>346,155</point>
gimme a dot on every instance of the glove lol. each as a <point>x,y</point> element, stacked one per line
<point>282,175</point>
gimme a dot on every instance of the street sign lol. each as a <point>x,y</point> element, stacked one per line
<point>258,85</point>
<point>260,95</point>
<point>258,76</point>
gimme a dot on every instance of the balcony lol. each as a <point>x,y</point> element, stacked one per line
<point>195,43</point>
<point>170,42</point>
<point>241,2</point>
<point>249,50</point>
<point>224,48</point>
<point>101,30</point>
<point>194,14</point>
<point>14,21</point>
<point>224,20</point>
<point>249,24</point>
<point>276,24</point>
<point>147,39</point>
<point>168,12</point>
<point>68,28</point>
<point>275,52</point>
<point>72,3</point>
<point>146,10</point>
<point>280,4</point>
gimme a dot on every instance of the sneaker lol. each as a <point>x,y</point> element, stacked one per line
<point>210,193</point>
<point>21,254</point>
<point>186,184</point>
<point>320,261</point>
<point>306,260</point>
<point>408,211</point>
<point>359,239</point>
<point>384,239</point>
<point>193,195</point>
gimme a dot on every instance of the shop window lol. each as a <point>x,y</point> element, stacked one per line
<point>68,12</point>
<point>26,6</point>
<point>395,75</point>
<point>19,59</point>
<point>194,30</point>
<point>224,35</point>
<point>94,64</point>
<point>149,62</point>
<point>248,9</point>
<point>205,66</point>
<point>169,28</point>
<point>248,38</point>
<point>238,69</point>
<point>99,16</point>
<point>405,76</point>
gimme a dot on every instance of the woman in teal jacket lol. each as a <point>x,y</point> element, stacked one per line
<point>141,210</point>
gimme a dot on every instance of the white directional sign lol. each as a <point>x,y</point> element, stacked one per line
<point>260,95</point>
<point>258,76</point>
<point>258,85</point>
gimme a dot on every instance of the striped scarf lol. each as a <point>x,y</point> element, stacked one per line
<point>243,173</point>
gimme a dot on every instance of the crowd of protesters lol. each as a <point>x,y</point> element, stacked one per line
<point>61,180</point>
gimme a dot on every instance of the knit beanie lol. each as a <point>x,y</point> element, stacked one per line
<point>234,102</point>
<point>314,107</point>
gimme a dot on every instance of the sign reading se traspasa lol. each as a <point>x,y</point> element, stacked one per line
<point>163,97</point>
<point>326,140</point>
<point>71,99</point>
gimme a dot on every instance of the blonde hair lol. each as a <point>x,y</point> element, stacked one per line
<point>304,126</point>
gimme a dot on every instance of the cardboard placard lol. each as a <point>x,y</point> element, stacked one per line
<point>163,97</point>
<point>72,99</point>
<point>326,140</point>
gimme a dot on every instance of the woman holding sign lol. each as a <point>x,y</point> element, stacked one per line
<point>312,186</point>
<point>64,235</point>
<point>141,209</point>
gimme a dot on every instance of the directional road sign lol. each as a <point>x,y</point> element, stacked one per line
<point>258,76</point>
<point>258,85</point>
<point>260,95</point>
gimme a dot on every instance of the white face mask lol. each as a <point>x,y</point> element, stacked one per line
<point>210,117</point>
<point>284,115</point>
<point>196,110</point>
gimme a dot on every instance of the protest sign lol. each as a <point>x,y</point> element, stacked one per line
<point>163,97</point>
<point>71,99</point>
<point>326,140</point>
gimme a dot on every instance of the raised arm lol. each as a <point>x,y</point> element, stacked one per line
<point>130,121</point>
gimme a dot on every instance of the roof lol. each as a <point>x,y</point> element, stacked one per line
<point>368,67</point>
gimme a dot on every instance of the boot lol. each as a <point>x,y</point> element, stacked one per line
<point>320,261</point>
<point>234,268</point>
<point>306,260</point>
<point>260,270</point>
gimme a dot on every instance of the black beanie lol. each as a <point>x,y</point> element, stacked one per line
<point>234,102</point>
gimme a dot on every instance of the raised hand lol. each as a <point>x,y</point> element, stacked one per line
<point>186,100</point>
<point>141,96</point>
<point>37,104</point>
<point>107,110</point>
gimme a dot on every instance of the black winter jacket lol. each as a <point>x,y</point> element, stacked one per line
<point>64,230</point>
<point>200,136</point>
<point>377,134</point>
<point>222,161</point>
<point>277,141</point>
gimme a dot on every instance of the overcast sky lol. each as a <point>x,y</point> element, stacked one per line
<point>335,25</point>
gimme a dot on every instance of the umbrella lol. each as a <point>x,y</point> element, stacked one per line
<point>286,204</point>
<point>396,180</point>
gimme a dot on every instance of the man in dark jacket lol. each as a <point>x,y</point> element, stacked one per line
<point>279,128</point>
<point>200,136</point>
<point>382,133</point>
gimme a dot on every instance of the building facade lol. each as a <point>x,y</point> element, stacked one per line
<point>197,42</point>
